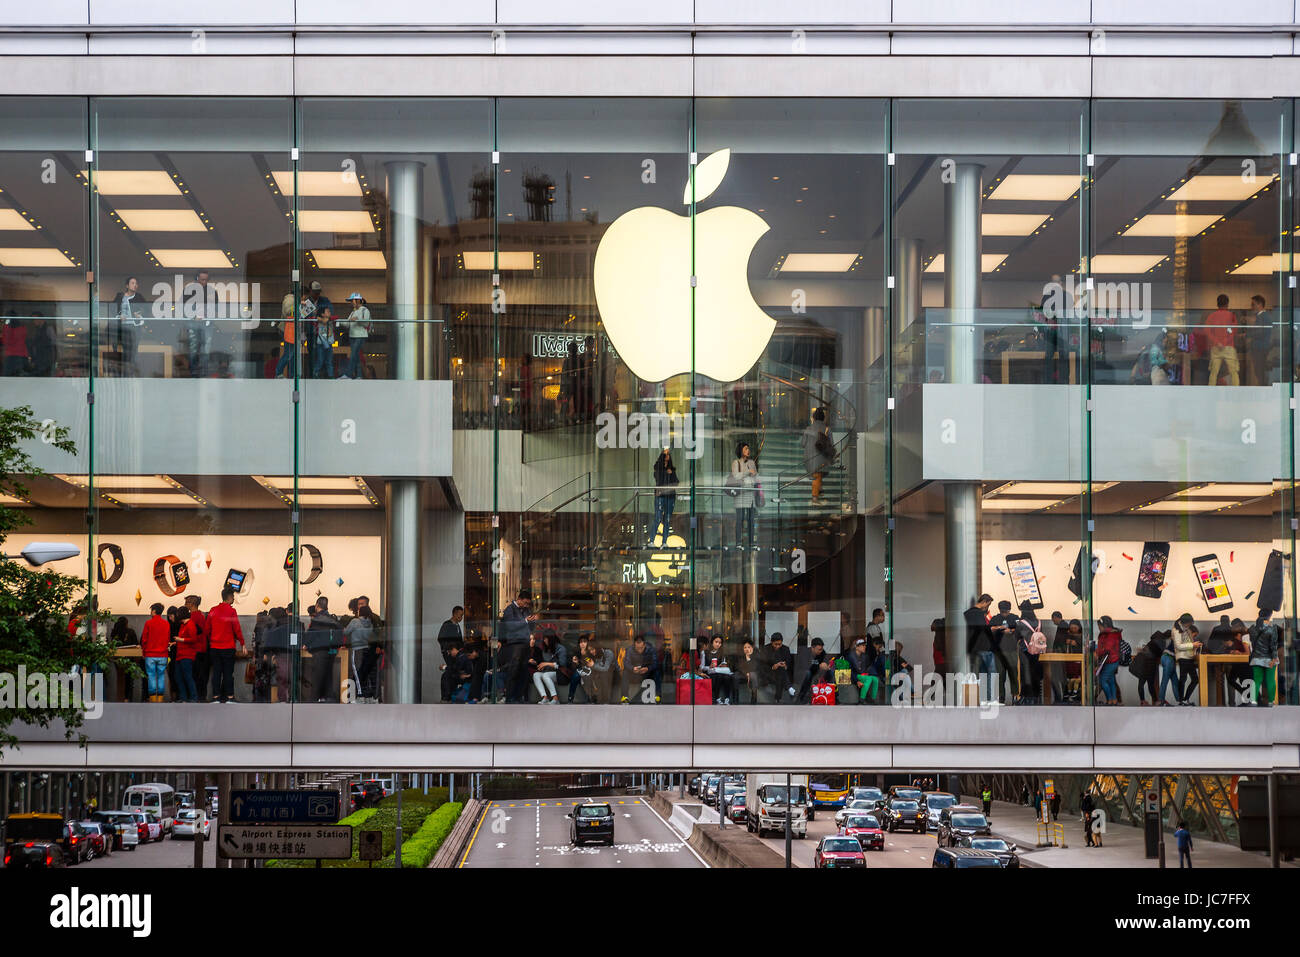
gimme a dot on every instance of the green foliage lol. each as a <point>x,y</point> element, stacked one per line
<point>418,851</point>
<point>416,808</point>
<point>35,604</point>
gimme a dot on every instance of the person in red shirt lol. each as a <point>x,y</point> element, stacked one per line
<point>223,632</point>
<point>1223,347</point>
<point>189,641</point>
<point>154,639</point>
<point>202,665</point>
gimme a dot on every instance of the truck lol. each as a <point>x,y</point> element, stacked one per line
<point>767,804</point>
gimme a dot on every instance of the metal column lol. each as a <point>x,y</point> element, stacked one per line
<point>402,608</point>
<point>961,280</point>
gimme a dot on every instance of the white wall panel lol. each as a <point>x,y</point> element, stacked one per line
<point>583,12</point>
<point>786,44</point>
<point>48,14</point>
<point>792,12</point>
<point>185,44</point>
<point>158,12</point>
<point>383,12</point>
<point>990,11</point>
<point>1192,11</point>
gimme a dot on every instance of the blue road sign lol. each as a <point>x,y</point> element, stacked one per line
<point>284,807</point>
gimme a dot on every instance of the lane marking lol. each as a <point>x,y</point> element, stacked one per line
<point>470,846</point>
<point>648,807</point>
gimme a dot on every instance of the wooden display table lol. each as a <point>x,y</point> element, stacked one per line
<point>1206,661</point>
<point>1048,658</point>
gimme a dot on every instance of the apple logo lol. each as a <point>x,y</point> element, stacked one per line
<point>642,283</point>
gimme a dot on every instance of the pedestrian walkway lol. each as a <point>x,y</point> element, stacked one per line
<point>1123,844</point>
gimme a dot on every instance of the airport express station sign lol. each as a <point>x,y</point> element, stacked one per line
<point>283,807</point>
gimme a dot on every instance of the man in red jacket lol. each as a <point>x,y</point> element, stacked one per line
<point>154,639</point>
<point>202,664</point>
<point>1223,345</point>
<point>223,632</point>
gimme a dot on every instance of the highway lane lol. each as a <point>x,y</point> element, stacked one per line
<point>902,848</point>
<point>529,833</point>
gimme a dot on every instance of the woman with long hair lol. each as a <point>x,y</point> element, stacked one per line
<point>742,482</point>
<point>665,495</point>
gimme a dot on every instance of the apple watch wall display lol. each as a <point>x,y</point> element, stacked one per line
<point>240,580</point>
<point>110,564</point>
<point>171,574</point>
<point>313,553</point>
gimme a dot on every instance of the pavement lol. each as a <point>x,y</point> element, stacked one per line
<point>167,853</point>
<point>530,833</point>
<point>1122,845</point>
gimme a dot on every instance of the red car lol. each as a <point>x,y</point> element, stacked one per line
<point>100,838</point>
<point>838,852</point>
<point>866,829</point>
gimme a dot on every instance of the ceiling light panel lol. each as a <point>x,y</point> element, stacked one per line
<point>191,258</point>
<point>1011,224</point>
<point>317,183</point>
<point>335,221</point>
<point>506,260</point>
<point>1171,225</point>
<point>818,262</point>
<point>988,262</point>
<point>12,219</point>
<point>1124,264</point>
<point>349,259</point>
<point>1048,187</point>
<point>33,257</point>
<point>162,220</point>
<point>1211,187</point>
<point>135,182</point>
<point>1020,504</point>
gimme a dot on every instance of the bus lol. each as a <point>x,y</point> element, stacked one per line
<point>829,788</point>
<point>156,799</point>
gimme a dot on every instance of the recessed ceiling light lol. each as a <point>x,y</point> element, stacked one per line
<point>1020,504</point>
<point>118,481</point>
<point>1221,489</point>
<point>1113,264</point>
<point>1011,224</point>
<point>316,183</point>
<point>1210,186</point>
<point>1188,505</point>
<point>348,501</point>
<point>178,498</point>
<point>13,501</point>
<point>33,257</point>
<point>349,259</point>
<point>343,483</point>
<point>135,182</point>
<point>12,219</point>
<point>162,220</point>
<point>1262,265</point>
<point>988,262</point>
<point>335,221</point>
<point>1171,224</point>
<point>818,262</point>
<point>1036,186</point>
<point>191,258</point>
<point>1049,488</point>
<point>506,259</point>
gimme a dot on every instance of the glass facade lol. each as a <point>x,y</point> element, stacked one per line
<point>691,374</point>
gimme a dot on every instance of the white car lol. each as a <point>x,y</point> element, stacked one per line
<point>936,801</point>
<point>190,822</point>
<point>153,825</point>
<point>853,807</point>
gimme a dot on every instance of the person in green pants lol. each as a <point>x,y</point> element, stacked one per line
<point>1263,660</point>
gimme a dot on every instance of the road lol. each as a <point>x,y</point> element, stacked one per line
<point>536,834</point>
<point>902,849</point>
<point>168,853</point>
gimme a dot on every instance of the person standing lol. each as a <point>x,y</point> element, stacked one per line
<point>452,631</point>
<point>358,333</point>
<point>1263,659</point>
<point>323,358</point>
<point>154,639</point>
<point>223,632</point>
<point>15,346</point>
<point>128,313</point>
<point>1107,653</point>
<point>40,346</point>
<point>316,304</point>
<point>1223,347</point>
<point>289,338</point>
<point>1086,807</point>
<point>1186,648</point>
<point>359,634</point>
<point>665,496</point>
<point>202,667</point>
<point>818,452</point>
<point>1259,340</point>
<point>1030,643</point>
<point>986,798</point>
<point>979,636</point>
<point>322,641</point>
<point>1003,627</point>
<point>199,307</point>
<point>1184,838</point>
<point>744,478</point>
<point>516,629</point>
<point>188,642</point>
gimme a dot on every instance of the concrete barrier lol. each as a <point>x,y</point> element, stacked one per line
<point>698,826</point>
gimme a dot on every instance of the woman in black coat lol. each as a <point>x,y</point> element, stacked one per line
<point>1145,667</point>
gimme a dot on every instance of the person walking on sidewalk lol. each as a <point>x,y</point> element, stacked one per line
<point>987,798</point>
<point>1086,806</point>
<point>1184,838</point>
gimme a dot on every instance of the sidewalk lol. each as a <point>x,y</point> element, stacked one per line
<point>1124,844</point>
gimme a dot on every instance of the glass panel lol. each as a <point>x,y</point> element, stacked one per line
<point>395,234</point>
<point>986,452</point>
<point>1188,500</point>
<point>194,257</point>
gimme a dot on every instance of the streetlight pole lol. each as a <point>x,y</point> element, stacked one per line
<point>789,810</point>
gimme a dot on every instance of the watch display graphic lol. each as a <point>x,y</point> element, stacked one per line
<point>171,574</point>
<point>110,568</point>
<point>240,580</point>
<point>313,553</point>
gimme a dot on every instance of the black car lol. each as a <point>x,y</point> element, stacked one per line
<point>709,789</point>
<point>1006,852</point>
<point>964,857</point>
<point>591,822</point>
<point>907,792</point>
<point>34,854</point>
<point>694,786</point>
<point>960,821</point>
<point>899,813</point>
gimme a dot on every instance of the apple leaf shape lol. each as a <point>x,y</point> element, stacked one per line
<point>709,174</point>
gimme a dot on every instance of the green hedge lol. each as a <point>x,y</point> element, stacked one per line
<point>419,848</point>
<point>416,808</point>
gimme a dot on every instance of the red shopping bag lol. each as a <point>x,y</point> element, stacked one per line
<point>702,687</point>
<point>823,694</point>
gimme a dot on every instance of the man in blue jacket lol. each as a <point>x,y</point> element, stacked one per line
<point>1184,838</point>
<point>516,629</point>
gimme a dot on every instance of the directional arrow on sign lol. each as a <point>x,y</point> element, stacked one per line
<point>238,804</point>
<point>227,839</point>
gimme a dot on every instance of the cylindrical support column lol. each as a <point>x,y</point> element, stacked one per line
<point>961,281</point>
<point>907,282</point>
<point>402,561</point>
<point>1274,838</point>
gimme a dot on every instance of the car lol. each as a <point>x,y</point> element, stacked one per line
<point>709,790</point>
<point>150,830</point>
<point>76,843</point>
<point>184,799</point>
<point>190,822</point>
<point>1005,850</point>
<point>374,791</point>
<point>591,821</point>
<point>907,792</point>
<point>857,806</point>
<point>100,837</point>
<point>866,828</point>
<point>693,787</point>
<point>28,838</point>
<point>936,801</point>
<point>839,852</point>
<point>899,813</point>
<point>125,829</point>
<point>736,810</point>
<point>34,854</point>
<point>872,794</point>
<point>963,857</point>
<point>729,790</point>
<point>961,820</point>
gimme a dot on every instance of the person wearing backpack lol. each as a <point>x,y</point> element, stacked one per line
<point>1107,651</point>
<point>358,333</point>
<point>818,452</point>
<point>1144,667</point>
<point>1031,642</point>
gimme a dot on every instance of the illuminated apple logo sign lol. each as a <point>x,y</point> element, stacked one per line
<point>642,283</point>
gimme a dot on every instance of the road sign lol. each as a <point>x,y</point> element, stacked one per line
<point>370,846</point>
<point>325,841</point>
<point>283,807</point>
<point>1152,802</point>
<point>1049,788</point>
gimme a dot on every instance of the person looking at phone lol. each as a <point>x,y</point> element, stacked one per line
<point>713,662</point>
<point>1186,647</point>
<point>1003,627</point>
<point>516,630</point>
<point>775,662</point>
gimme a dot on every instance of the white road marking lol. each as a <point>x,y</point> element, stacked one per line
<point>649,808</point>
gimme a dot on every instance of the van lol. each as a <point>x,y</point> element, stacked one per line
<point>156,799</point>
